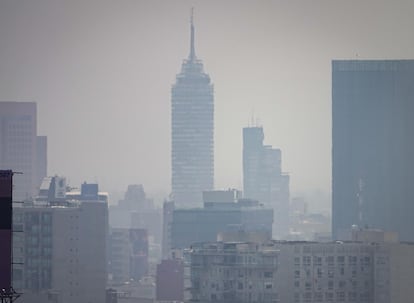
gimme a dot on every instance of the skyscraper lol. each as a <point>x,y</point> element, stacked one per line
<point>373,145</point>
<point>192,131</point>
<point>21,150</point>
<point>263,179</point>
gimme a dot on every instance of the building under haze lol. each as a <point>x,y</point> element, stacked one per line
<point>61,249</point>
<point>136,210</point>
<point>366,270</point>
<point>192,132</point>
<point>21,150</point>
<point>128,254</point>
<point>223,211</point>
<point>373,145</point>
<point>263,179</point>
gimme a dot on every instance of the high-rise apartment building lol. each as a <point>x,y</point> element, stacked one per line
<point>263,179</point>
<point>21,150</point>
<point>373,145</point>
<point>62,247</point>
<point>192,131</point>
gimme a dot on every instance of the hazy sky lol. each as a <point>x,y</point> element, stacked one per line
<point>101,72</point>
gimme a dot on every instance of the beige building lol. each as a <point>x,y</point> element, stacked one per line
<point>276,271</point>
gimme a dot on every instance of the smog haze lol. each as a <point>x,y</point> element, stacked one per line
<point>101,73</point>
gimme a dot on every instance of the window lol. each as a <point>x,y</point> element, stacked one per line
<point>352,296</point>
<point>319,273</point>
<point>352,260</point>
<point>297,261</point>
<point>297,273</point>
<point>317,261</point>
<point>268,274</point>
<point>340,296</point>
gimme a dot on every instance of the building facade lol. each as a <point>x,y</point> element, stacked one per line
<point>21,150</point>
<point>263,179</point>
<point>62,246</point>
<point>136,210</point>
<point>170,281</point>
<point>192,132</point>
<point>222,211</point>
<point>128,254</point>
<point>6,204</point>
<point>277,271</point>
<point>372,145</point>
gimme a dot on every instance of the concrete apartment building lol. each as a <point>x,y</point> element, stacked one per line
<point>63,246</point>
<point>278,271</point>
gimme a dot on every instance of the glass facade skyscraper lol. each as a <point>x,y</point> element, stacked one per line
<point>192,132</point>
<point>373,145</point>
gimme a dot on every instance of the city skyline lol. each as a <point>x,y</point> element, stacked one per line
<point>101,75</point>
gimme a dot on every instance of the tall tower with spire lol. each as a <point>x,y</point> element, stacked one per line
<point>192,131</point>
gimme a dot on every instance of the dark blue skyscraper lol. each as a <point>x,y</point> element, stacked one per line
<point>192,132</point>
<point>373,145</point>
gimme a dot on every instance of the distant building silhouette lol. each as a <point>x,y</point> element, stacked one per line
<point>136,210</point>
<point>128,254</point>
<point>263,179</point>
<point>223,211</point>
<point>192,131</point>
<point>21,150</point>
<point>373,145</point>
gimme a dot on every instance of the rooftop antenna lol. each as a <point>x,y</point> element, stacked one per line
<point>252,122</point>
<point>257,122</point>
<point>192,48</point>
